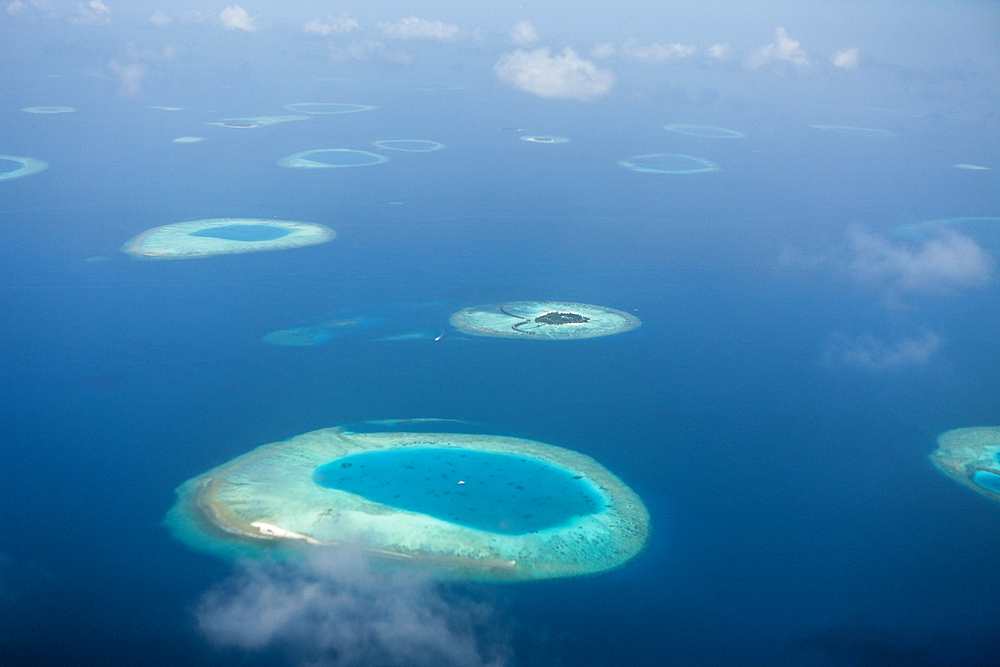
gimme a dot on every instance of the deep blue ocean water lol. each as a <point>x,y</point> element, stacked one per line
<point>796,518</point>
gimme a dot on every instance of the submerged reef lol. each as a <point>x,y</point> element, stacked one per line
<point>971,457</point>
<point>49,109</point>
<point>985,230</point>
<point>309,336</point>
<point>460,505</point>
<point>543,320</point>
<point>708,131</point>
<point>322,108</point>
<point>855,131</point>
<point>221,236</point>
<point>408,145</point>
<point>256,121</point>
<point>668,163</point>
<point>332,158</point>
<point>29,166</point>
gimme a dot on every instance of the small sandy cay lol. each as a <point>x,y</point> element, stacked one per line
<point>971,457</point>
<point>543,320</point>
<point>224,236</point>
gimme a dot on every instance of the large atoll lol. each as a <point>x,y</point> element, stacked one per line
<point>28,166</point>
<point>221,236</point>
<point>971,457</point>
<point>543,320</point>
<point>459,505</point>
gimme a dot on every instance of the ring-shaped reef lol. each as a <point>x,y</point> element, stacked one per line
<point>856,131</point>
<point>460,505</point>
<point>971,457</point>
<point>223,236</point>
<point>325,108</point>
<point>544,139</point>
<point>334,158</point>
<point>29,166</point>
<point>49,109</point>
<point>256,121</point>
<point>708,131</point>
<point>543,320</point>
<point>971,167</point>
<point>669,163</point>
<point>408,145</point>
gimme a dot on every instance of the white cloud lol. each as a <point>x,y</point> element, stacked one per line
<point>159,18</point>
<point>658,53</point>
<point>131,76</point>
<point>235,17</point>
<point>869,353</point>
<point>193,16</point>
<point>563,76</point>
<point>334,610</point>
<point>93,13</point>
<point>414,28</point>
<point>602,51</point>
<point>17,8</point>
<point>845,59</point>
<point>333,25</point>
<point>720,51</point>
<point>941,266</point>
<point>524,33</point>
<point>781,50</point>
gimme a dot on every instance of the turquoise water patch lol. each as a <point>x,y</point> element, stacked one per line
<point>987,480</point>
<point>408,145</point>
<point>247,233</point>
<point>25,166</point>
<point>498,493</point>
<point>984,229</point>
<point>669,163</point>
<point>708,131</point>
<point>319,108</point>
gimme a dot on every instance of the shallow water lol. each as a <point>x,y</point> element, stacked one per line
<point>494,492</point>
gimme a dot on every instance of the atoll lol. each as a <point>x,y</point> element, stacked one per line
<point>544,139</point>
<point>668,163</point>
<point>323,108</point>
<point>220,236</point>
<point>335,158</point>
<point>855,131</point>
<point>29,165</point>
<point>543,320</point>
<point>971,457</point>
<point>256,121</point>
<point>408,145</point>
<point>46,110</point>
<point>458,505</point>
<point>188,140</point>
<point>708,131</point>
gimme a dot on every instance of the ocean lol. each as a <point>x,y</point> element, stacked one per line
<point>796,361</point>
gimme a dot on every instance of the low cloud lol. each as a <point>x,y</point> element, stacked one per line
<point>335,610</point>
<point>17,8</point>
<point>235,17</point>
<point>524,33</point>
<point>414,28</point>
<point>941,265</point>
<point>159,18</point>
<point>845,59</point>
<point>720,52</point>
<point>602,51</point>
<point>782,50</point>
<point>338,25</point>
<point>93,13</point>
<point>658,53</point>
<point>564,76</point>
<point>130,75</point>
<point>869,353</point>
